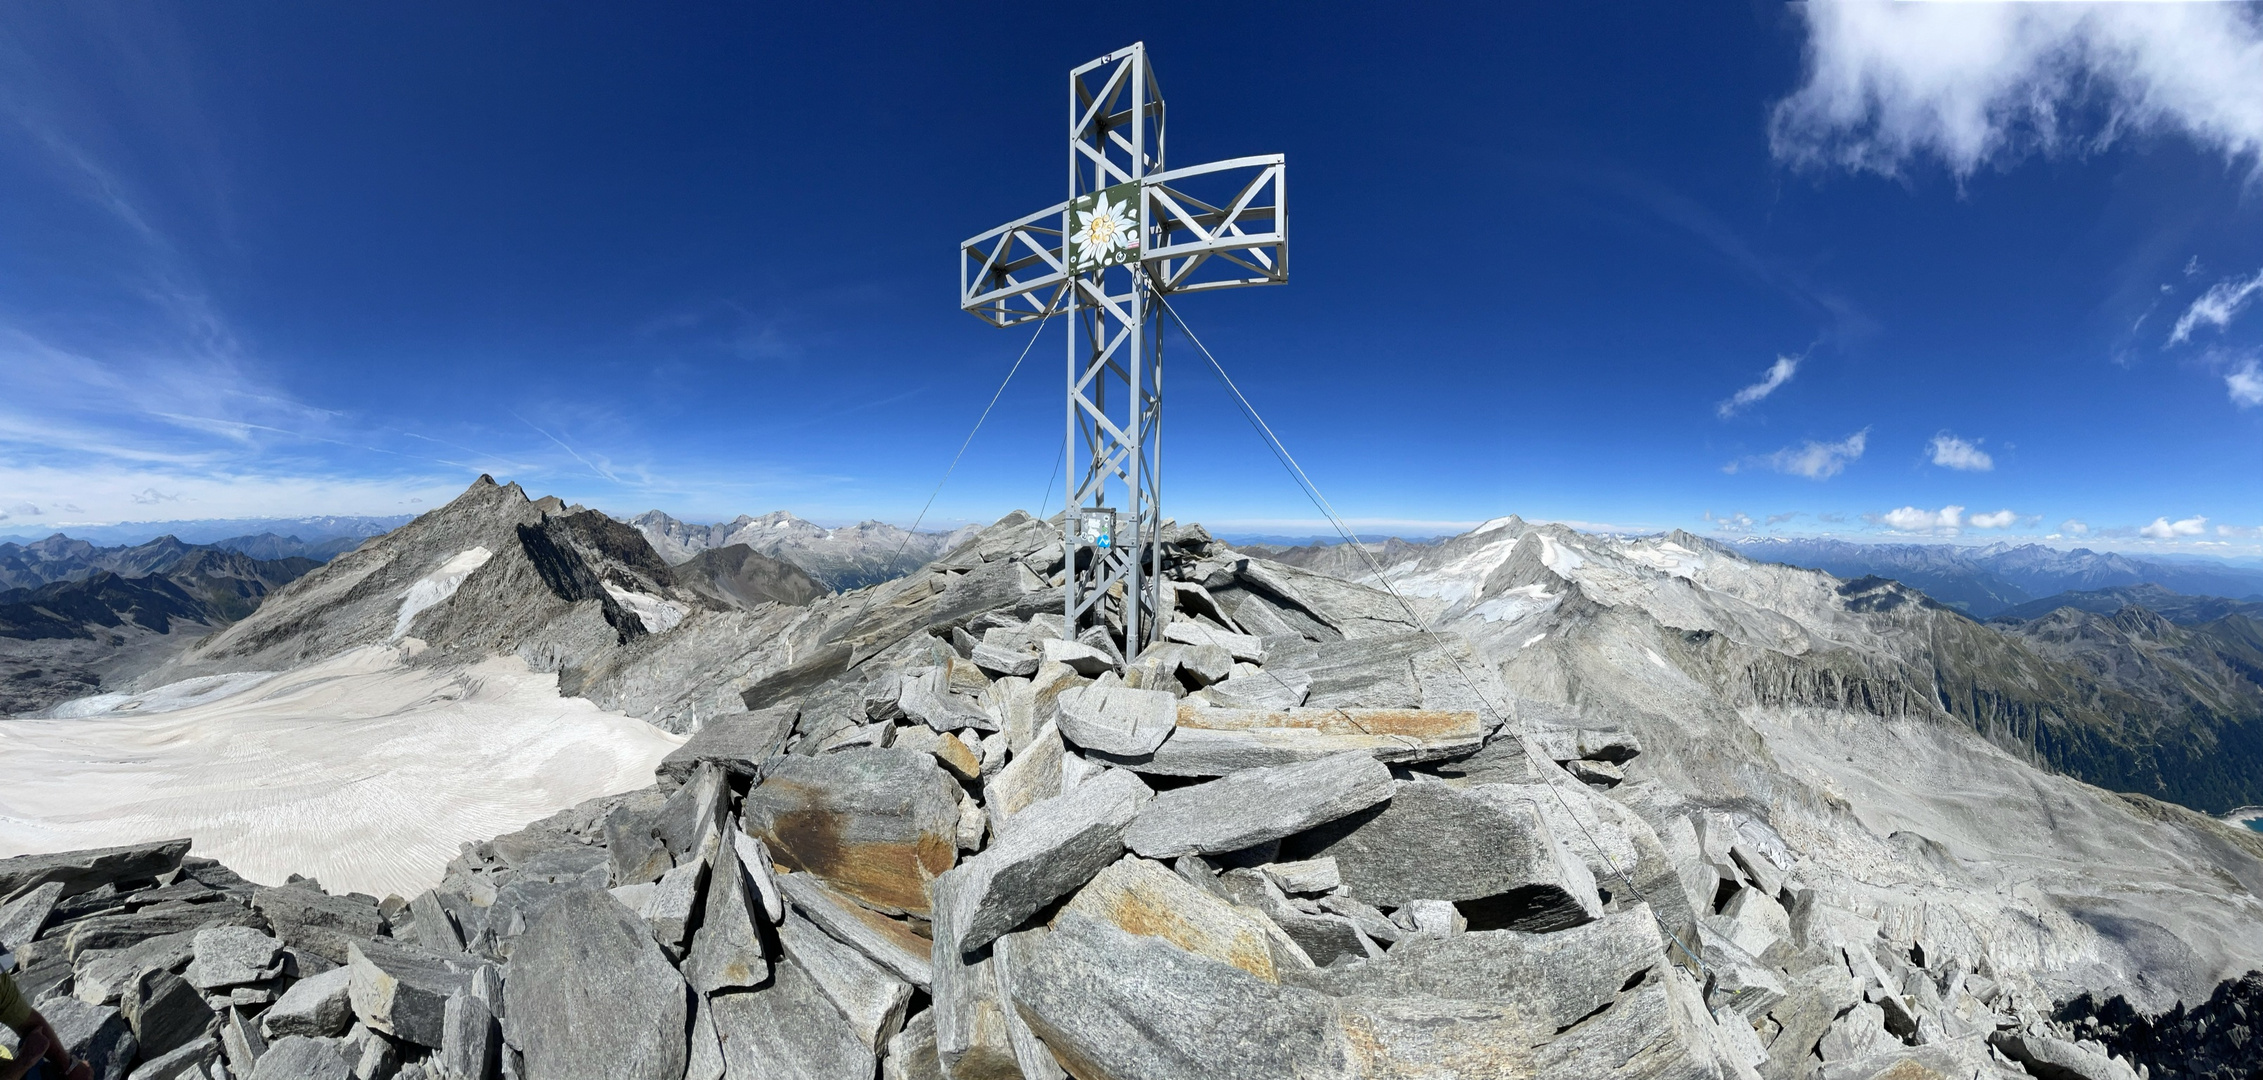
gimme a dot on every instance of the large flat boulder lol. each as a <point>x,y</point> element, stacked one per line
<point>882,940</point>
<point>592,997</point>
<point>1557,977</point>
<point>80,871</point>
<point>1250,807</point>
<point>1055,847</point>
<point>1213,742</point>
<point>313,920</point>
<point>1117,720</point>
<point>1142,897</point>
<point>402,990</point>
<point>1498,861</point>
<point>737,742</point>
<point>872,998</point>
<point>787,1029</point>
<point>876,823</point>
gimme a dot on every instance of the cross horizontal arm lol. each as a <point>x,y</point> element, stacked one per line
<point>1013,260</point>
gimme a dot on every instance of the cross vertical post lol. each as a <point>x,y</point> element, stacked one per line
<point>1130,233</point>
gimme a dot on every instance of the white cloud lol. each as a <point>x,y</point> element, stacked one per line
<point>1778,519</point>
<point>1811,459</point>
<point>2164,529</point>
<point>1972,84</point>
<point>1911,519</point>
<point>2074,527</point>
<point>2218,306</point>
<point>1778,374</point>
<point>1955,453</point>
<point>1737,522</point>
<point>2001,519</point>
<point>2246,384</point>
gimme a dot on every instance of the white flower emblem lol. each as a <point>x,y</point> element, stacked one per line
<point>1105,231</point>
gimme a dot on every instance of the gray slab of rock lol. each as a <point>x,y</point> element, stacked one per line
<point>1660,1026</point>
<point>1000,659</point>
<point>1812,1000</point>
<point>1216,741</point>
<point>402,990</point>
<point>977,1032</point>
<point>1556,977</point>
<point>592,997</point>
<point>1117,719</point>
<point>2057,1059</point>
<point>789,1029</point>
<point>727,951</point>
<point>165,1012</point>
<point>1741,981</point>
<point>127,929</point>
<point>912,1054</point>
<point>695,808</point>
<point>704,1058</point>
<point>80,871</point>
<point>878,825</point>
<point>24,917</point>
<point>298,1057</point>
<point>927,699</point>
<point>310,919</point>
<point>241,1041</point>
<point>99,976</point>
<point>1244,647</point>
<point>673,901</point>
<point>867,994</point>
<point>319,1006</point>
<point>186,1061</point>
<point>1062,843</point>
<point>1858,1034</point>
<point>737,742</point>
<point>1250,807</point>
<point>754,856</point>
<point>1032,776</point>
<point>636,853</point>
<point>883,940</point>
<point>470,1043</point>
<point>1305,876</point>
<point>95,1034</point>
<point>1077,656</point>
<point>1121,1005</point>
<point>1566,742</point>
<point>232,956</point>
<point>1142,897</point>
<point>436,929</point>
<point>1498,861</point>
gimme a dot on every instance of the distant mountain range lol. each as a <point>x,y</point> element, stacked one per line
<point>75,617</point>
<point>218,531</point>
<point>850,557</point>
<point>1984,582</point>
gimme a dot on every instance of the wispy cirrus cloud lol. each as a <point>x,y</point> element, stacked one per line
<point>1811,459</point>
<point>1973,84</point>
<point>1778,374</point>
<point>2217,307</point>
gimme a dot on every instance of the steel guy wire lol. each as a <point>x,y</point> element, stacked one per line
<point>1320,501</point>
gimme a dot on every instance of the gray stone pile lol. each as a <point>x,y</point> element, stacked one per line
<point>1293,840</point>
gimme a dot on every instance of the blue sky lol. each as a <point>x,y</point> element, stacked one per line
<point>1970,271</point>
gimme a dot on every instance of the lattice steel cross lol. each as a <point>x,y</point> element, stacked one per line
<point>1130,233</point>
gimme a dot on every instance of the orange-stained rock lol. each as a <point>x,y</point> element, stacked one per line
<point>878,824</point>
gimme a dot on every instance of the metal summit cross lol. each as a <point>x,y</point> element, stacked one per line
<point>1130,233</point>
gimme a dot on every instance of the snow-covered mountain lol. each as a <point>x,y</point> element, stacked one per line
<point>846,558</point>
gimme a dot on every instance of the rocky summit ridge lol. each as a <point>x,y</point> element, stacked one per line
<point>1577,807</point>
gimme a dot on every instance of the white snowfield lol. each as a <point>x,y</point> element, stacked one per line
<point>359,770</point>
<point>437,586</point>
